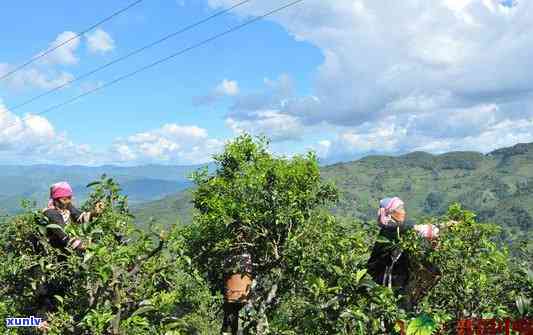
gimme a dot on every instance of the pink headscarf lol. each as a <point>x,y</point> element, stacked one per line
<point>59,190</point>
<point>386,207</point>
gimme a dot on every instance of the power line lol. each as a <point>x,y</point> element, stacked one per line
<point>20,67</point>
<point>132,53</point>
<point>162,60</point>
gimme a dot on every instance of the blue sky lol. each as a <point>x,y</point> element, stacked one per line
<point>343,78</point>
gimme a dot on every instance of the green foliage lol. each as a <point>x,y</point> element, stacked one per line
<point>422,325</point>
<point>254,203</point>
<point>128,281</point>
<point>327,288</point>
<point>499,193</point>
<point>309,266</point>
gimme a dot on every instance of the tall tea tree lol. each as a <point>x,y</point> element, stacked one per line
<point>254,203</point>
<point>128,281</point>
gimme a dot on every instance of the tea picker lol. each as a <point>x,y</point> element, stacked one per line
<point>237,286</point>
<point>388,265</point>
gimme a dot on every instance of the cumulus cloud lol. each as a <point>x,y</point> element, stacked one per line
<point>33,139</point>
<point>42,74</point>
<point>64,55</point>
<point>225,88</point>
<point>34,78</point>
<point>479,128</point>
<point>456,67</point>
<point>275,125</point>
<point>276,92</point>
<point>171,144</point>
<point>100,41</point>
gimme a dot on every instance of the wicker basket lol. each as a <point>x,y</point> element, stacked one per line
<point>238,281</point>
<point>237,287</point>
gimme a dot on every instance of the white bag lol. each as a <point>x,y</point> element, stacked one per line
<point>427,231</point>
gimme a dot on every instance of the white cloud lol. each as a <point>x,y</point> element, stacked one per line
<point>65,54</point>
<point>275,125</point>
<point>172,143</point>
<point>455,66</point>
<point>227,87</point>
<point>34,77</point>
<point>100,41</point>
<point>41,74</point>
<point>477,129</point>
<point>33,139</point>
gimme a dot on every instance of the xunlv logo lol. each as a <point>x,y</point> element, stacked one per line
<point>23,322</point>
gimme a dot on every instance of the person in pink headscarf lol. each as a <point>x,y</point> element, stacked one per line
<point>390,267</point>
<point>61,211</point>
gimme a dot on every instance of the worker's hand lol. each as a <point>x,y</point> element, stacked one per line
<point>81,247</point>
<point>43,326</point>
<point>99,208</point>
<point>78,245</point>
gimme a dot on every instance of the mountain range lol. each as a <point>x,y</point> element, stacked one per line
<point>498,186</point>
<point>140,183</point>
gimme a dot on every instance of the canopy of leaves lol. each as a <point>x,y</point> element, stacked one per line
<point>309,266</point>
<point>127,282</point>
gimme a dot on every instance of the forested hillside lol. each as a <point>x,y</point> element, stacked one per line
<point>309,267</point>
<point>140,183</point>
<point>497,186</point>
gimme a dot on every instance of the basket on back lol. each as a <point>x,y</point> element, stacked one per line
<point>238,279</point>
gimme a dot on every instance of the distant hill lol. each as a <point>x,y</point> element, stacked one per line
<point>498,186</point>
<point>176,208</point>
<point>140,183</point>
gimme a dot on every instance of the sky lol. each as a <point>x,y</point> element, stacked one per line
<point>343,78</point>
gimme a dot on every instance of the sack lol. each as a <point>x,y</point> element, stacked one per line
<point>427,231</point>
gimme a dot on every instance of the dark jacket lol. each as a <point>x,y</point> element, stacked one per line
<point>57,237</point>
<point>382,256</point>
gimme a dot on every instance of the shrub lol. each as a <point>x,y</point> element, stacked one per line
<point>127,282</point>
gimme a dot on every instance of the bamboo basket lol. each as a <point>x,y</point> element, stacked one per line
<point>237,287</point>
<point>238,282</point>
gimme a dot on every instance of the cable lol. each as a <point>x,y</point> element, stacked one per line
<point>134,52</point>
<point>20,67</point>
<point>162,60</point>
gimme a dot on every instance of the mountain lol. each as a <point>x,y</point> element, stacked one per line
<point>140,183</point>
<point>498,186</point>
<point>176,208</point>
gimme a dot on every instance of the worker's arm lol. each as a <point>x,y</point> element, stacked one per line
<point>57,236</point>
<point>83,217</point>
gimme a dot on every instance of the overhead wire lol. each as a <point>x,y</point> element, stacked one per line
<point>126,56</point>
<point>76,36</point>
<point>165,59</point>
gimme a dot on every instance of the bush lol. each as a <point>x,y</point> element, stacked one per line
<point>127,282</point>
<point>254,203</point>
<point>479,279</point>
<point>309,267</point>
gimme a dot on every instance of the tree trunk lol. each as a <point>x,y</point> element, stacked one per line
<point>262,325</point>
